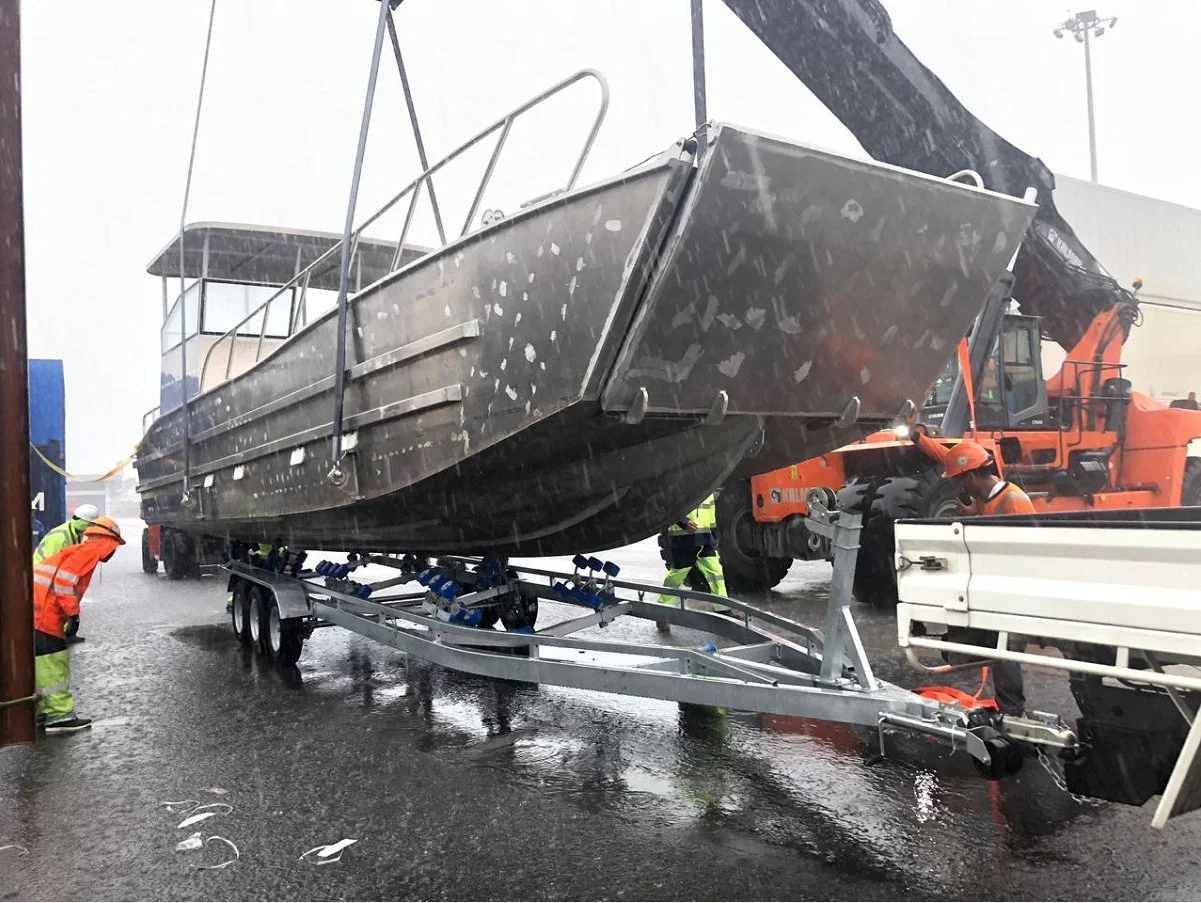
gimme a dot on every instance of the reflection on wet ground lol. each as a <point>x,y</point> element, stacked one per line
<point>564,793</point>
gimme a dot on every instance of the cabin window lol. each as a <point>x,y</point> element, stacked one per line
<point>227,304</point>
<point>1021,371</point>
<point>172,334</point>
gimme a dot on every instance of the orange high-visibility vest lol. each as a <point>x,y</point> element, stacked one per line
<point>1010,500</point>
<point>60,581</point>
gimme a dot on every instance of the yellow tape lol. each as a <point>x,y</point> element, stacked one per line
<point>70,476</point>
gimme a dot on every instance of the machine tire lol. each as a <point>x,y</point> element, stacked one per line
<point>149,562</point>
<point>178,555</point>
<point>239,613</point>
<point>893,498</point>
<point>1190,487</point>
<point>283,638</point>
<point>746,570</point>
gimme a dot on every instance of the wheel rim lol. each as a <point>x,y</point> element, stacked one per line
<point>740,531</point>
<point>255,615</point>
<point>273,629</point>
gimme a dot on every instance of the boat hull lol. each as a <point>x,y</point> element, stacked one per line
<point>563,380</point>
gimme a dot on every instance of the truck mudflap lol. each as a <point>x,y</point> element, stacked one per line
<point>1135,740</point>
<point>855,279</point>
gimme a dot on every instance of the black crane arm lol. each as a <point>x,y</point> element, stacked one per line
<point>846,53</point>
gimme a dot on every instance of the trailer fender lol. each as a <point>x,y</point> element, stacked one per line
<point>289,595</point>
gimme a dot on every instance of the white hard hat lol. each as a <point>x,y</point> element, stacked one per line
<point>86,512</point>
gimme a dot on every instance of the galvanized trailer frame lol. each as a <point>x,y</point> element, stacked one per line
<point>770,664</point>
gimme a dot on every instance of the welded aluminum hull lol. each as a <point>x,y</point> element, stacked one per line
<point>576,376</point>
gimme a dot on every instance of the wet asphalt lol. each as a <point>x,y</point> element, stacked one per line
<point>462,788</point>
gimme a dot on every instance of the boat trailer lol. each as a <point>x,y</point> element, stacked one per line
<point>760,662</point>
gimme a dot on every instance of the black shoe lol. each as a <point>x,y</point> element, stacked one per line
<point>68,725</point>
<point>72,640</point>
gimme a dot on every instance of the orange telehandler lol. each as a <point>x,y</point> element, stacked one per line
<point>1079,439</point>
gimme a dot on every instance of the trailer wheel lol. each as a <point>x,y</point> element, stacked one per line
<point>1190,487</point>
<point>745,568</point>
<point>149,562</point>
<point>1006,757</point>
<point>517,611</point>
<point>256,611</point>
<point>283,639</point>
<point>239,616</point>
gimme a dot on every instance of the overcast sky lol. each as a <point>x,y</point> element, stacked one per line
<point>110,92</point>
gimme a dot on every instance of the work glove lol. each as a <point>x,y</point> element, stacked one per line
<point>71,630</point>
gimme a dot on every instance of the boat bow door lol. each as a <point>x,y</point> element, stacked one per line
<point>826,261</point>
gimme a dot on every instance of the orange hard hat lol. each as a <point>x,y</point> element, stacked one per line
<point>965,457</point>
<point>105,527</point>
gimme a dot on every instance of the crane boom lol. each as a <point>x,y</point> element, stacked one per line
<point>847,54</point>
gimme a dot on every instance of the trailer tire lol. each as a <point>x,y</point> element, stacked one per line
<point>256,615</point>
<point>149,562</point>
<point>1190,486</point>
<point>745,569</point>
<point>239,613</point>
<point>283,638</point>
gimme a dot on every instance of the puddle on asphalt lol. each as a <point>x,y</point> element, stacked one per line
<point>206,636</point>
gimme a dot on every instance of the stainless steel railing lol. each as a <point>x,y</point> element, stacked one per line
<point>503,125</point>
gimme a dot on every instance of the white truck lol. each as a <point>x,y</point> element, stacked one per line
<point>1112,598</point>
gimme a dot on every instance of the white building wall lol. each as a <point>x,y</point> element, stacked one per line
<point>1159,242</point>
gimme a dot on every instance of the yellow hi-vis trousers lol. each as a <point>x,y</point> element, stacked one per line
<point>709,566</point>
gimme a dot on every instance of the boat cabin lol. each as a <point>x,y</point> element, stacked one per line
<point>245,291</point>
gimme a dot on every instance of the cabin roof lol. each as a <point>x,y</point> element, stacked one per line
<point>240,252</point>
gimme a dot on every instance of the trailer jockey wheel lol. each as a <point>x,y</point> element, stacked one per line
<point>283,639</point>
<point>239,613</point>
<point>1007,759</point>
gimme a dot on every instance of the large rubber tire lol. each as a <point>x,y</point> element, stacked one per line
<point>239,615</point>
<point>283,639</point>
<point>745,568</point>
<point>1190,487</point>
<point>179,555</point>
<point>882,503</point>
<point>149,562</point>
